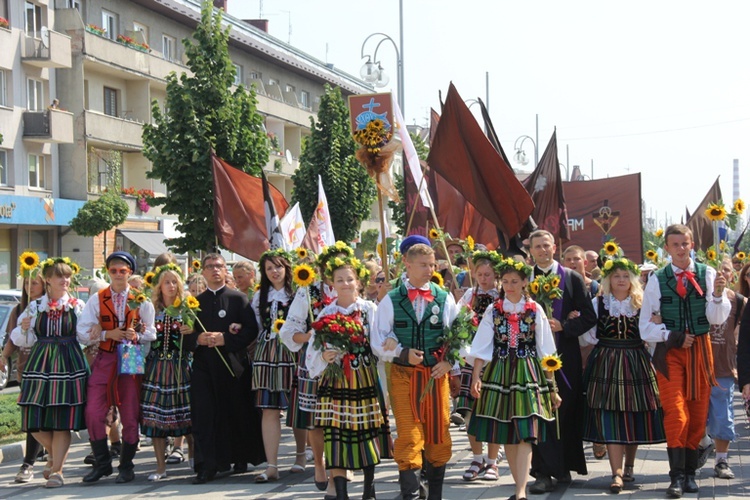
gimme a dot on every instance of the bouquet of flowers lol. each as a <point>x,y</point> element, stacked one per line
<point>342,333</point>
<point>452,341</point>
<point>552,363</point>
<point>545,289</point>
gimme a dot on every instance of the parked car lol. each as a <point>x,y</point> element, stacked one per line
<point>10,296</point>
<point>9,374</point>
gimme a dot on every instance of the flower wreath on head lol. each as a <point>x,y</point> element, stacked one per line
<point>338,262</point>
<point>611,265</point>
<point>333,250</point>
<point>276,252</point>
<point>170,266</point>
<point>490,255</point>
<point>504,265</point>
<point>51,261</point>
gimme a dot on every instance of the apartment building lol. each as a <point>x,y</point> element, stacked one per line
<point>105,61</point>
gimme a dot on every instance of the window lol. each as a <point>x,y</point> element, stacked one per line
<point>237,74</point>
<point>290,88</point>
<point>73,4</point>
<point>36,171</point>
<point>3,168</point>
<point>168,46</point>
<point>109,23</point>
<point>33,21</point>
<point>3,88</point>
<point>304,99</point>
<point>143,29</point>
<point>110,101</point>
<point>256,75</point>
<point>272,81</point>
<point>35,95</point>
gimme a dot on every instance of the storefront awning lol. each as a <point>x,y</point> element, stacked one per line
<point>151,241</point>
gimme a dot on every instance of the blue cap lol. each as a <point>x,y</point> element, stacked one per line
<point>412,240</point>
<point>123,256</point>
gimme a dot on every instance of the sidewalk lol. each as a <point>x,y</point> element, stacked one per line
<point>651,470</point>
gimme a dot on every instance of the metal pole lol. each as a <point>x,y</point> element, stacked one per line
<point>401,61</point>
<point>487,92</point>
<point>567,161</point>
<point>592,169</point>
<point>536,143</point>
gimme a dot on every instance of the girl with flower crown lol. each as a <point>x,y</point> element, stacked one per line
<point>478,299</point>
<point>53,389</point>
<point>273,364</point>
<point>165,390</point>
<point>350,400</point>
<point>514,393</point>
<point>623,408</point>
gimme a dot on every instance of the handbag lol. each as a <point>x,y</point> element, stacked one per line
<point>131,359</point>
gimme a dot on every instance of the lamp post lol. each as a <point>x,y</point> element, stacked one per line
<point>372,71</point>
<point>567,173</point>
<point>520,156</point>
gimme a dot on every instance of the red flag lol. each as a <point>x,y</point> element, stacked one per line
<point>546,189</point>
<point>312,240</point>
<point>463,155</point>
<point>239,214</point>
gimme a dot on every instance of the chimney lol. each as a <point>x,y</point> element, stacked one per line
<point>221,4</point>
<point>261,24</point>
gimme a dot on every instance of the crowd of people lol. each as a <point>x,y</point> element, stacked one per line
<point>531,356</point>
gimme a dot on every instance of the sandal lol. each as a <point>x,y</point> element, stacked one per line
<point>47,470</point>
<point>55,481</point>
<point>176,457</point>
<point>265,478</point>
<point>472,473</point>
<point>309,455</point>
<point>298,467</point>
<point>490,473</point>
<point>617,484</point>
<point>157,476</point>
<point>600,451</point>
<point>628,476</point>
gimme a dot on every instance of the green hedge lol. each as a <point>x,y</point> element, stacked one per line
<point>10,415</point>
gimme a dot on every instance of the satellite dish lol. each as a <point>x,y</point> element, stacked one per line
<point>45,37</point>
<point>288,156</point>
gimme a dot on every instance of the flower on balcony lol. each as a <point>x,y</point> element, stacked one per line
<point>142,195</point>
<point>4,23</point>
<point>129,42</point>
<point>97,30</point>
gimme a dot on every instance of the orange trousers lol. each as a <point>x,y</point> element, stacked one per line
<point>410,434</point>
<point>684,418</point>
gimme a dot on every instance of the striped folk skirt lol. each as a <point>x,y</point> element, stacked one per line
<point>165,400</point>
<point>465,401</point>
<point>622,397</point>
<point>53,388</point>
<point>274,367</point>
<point>350,409</point>
<point>304,398</point>
<point>514,397</point>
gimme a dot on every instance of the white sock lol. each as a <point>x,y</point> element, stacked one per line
<point>705,442</point>
<point>721,456</point>
<point>478,458</point>
<point>490,460</point>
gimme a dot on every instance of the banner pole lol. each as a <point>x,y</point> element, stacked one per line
<point>384,240</point>
<point>414,208</point>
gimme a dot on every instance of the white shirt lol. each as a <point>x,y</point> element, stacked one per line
<point>90,317</point>
<point>717,308</point>
<point>615,308</point>
<point>275,298</point>
<point>296,317</point>
<point>28,338</point>
<point>468,296</point>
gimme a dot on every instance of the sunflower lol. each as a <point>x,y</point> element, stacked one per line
<point>739,206</point>
<point>434,234</point>
<point>741,255</point>
<point>192,302</point>
<point>196,265</point>
<point>437,278</point>
<point>177,302</point>
<point>611,248</point>
<point>470,243</point>
<point>301,253</point>
<point>256,287</point>
<point>716,212</point>
<point>711,254</point>
<point>148,279</point>
<point>303,275</point>
<point>555,281</point>
<point>652,255</point>
<point>140,298</point>
<point>75,268</point>
<point>722,245</point>
<point>277,325</point>
<point>547,287</point>
<point>29,260</point>
<point>551,363</point>
<point>659,233</point>
<point>534,287</point>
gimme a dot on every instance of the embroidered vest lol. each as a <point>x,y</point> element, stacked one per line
<point>413,334</point>
<point>525,337</point>
<point>688,314</point>
<point>108,317</point>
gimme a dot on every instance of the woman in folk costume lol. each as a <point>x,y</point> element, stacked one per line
<point>309,300</point>
<point>273,364</point>
<point>350,401</point>
<point>514,395</point>
<point>478,299</point>
<point>53,388</point>
<point>622,397</point>
<point>165,392</point>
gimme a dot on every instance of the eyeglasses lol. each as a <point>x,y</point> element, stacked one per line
<point>121,271</point>
<point>214,266</point>
<point>382,280</point>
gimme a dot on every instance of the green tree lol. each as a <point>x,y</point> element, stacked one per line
<point>97,216</point>
<point>398,210</point>
<point>202,113</point>
<point>329,152</point>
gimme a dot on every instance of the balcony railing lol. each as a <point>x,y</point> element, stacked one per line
<point>52,125</point>
<point>114,130</point>
<point>48,49</point>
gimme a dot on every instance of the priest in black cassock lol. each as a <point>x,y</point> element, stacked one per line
<point>226,426</point>
<point>559,457</point>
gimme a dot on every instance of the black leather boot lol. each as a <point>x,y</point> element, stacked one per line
<point>676,472</point>
<point>408,480</point>
<point>435,476</point>
<point>126,463</point>
<point>369,491</point>
<point>340,483</point>
<point>102,461</point>
<point>691,464</point>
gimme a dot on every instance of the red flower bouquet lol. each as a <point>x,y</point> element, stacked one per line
<point>343,333</point>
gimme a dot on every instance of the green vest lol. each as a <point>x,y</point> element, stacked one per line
<point>688,314</point>
<point>413,334</point>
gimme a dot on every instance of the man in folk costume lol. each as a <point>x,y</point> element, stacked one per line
<point>572,316</point>
<point>408,323</point>
<point>108,312</point>
<point>690,297</point>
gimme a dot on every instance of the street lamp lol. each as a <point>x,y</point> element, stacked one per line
<point>372,71</point>
<point>567,173</point>
<point>520,156</point>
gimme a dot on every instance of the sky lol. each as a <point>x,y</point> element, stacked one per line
<point>661,88</point>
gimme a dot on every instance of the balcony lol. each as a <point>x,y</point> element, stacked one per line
<point>111,130</point>
<point>281,109</point>
<point>52,125</point>
<point>47,49</point>
<point>278,164</point>
<point>9,48</point>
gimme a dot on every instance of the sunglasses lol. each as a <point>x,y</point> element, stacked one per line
<point>121,271</point>
<point>382,280</point>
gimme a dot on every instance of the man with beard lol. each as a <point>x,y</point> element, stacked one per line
<point>226,426</point>
<point>572,316</point>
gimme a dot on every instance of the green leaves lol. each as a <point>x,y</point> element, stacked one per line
<point>97,216</point>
